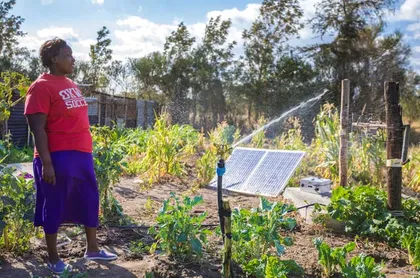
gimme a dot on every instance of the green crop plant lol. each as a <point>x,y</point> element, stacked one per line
<point>178,233</point>
<point>331,259</point>
<point>363,210</point>
<point>220,139</point>
<point>166,147</point>
<point>258,140</point>
<point>273,267</point>
<point>410,241</point>
<point>17,196</point>
<point>108,153</point>
<point>362,266</point>
<point>256,232</point>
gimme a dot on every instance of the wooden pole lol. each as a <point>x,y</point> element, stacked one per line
<point>394,142</point>
<point>344,120</point>
<point>227,252</point>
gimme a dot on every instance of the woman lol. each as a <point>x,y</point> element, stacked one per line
<point>66,188</point>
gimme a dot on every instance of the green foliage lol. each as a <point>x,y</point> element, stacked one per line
<point>108,153</point>
<point>256,233</point>
<point>366,155</point>
<point>410,240</point>
<point>222,136</point>
<point>259,139</point>
<point>326,144</point>
<point>206,165</point>
<point>331,258</point>
<point>16,210</point>
<point>363,210</point>
<point>178,233</point>
<point>411,171</point>
<point>11,82</point>
<point>167,146</point>
<point>362,266</point>
<point>138,247</point>
<point>273,267</point>
<point>10,154</point>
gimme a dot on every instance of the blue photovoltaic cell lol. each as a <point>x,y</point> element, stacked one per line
<point>259,171</point>
<point>238,167</point>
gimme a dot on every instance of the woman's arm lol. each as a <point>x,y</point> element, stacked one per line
<point>38,123</point>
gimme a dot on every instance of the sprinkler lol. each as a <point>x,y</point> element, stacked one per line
<point>222,151</point>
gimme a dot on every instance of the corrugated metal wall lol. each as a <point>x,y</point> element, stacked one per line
<point>102,110</point>
<point>17,124</point>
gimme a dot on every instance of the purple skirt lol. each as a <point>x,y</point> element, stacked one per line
<point>73,199</point>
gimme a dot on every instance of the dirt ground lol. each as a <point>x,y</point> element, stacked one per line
<point>142,206</point>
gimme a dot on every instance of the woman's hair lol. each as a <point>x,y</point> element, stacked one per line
<point>49,50</point>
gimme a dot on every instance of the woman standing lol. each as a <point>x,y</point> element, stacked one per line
<point>66,187</point>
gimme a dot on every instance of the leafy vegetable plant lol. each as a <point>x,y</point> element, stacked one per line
<point>16,210</point>
<point>331,258</point>
<point>410,240</point>
<point>179,233</point>
<point>334,259</point>
<point>256,233</point>
<point>363,210</point>
<point>362,266</point>
<point>273,267</point>
<point>108,153</point>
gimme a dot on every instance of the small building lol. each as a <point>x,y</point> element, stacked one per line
<point>103,109</point>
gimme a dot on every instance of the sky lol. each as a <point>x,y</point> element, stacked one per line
<point>139,27</point>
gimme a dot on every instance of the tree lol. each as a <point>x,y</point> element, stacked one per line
<point>9,34</point>
<point>176,81</point>
<point>264,42</point>
<point>346,21</point>
<point>147,73</point>
<point>12,83</point>
<point>119,73</point>
<point>95,73</point>
<point>211,71</point>
<point>410,96</point>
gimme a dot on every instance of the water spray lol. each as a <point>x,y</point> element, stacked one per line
<point>302,104</point>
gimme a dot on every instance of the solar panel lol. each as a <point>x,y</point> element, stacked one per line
<point>259,171</point>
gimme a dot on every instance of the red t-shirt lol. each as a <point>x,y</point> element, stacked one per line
<point>67,121</point>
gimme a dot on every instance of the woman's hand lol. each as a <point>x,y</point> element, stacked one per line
<point>48,174</point>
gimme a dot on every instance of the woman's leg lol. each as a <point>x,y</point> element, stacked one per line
<point>92,242</point>
<point>51,240</point>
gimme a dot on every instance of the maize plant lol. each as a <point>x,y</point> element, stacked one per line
<point>166,148</point>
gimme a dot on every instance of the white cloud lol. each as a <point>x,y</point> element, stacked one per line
<point>414,27</point>
<point>46,2</point>
<point>240,18</point>
<point>86,42</point>
<point>416,49</point>
<point>99,2</point>
<point>31,42</point>
<point>61,32</point>
<point>138,36</point>
<point>408,11</point>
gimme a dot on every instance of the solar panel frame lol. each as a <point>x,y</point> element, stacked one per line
<point>246,178</point>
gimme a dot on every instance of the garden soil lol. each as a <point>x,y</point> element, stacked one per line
<point>142,206</point>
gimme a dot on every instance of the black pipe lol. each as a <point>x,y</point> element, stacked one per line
<point>220,172</point>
